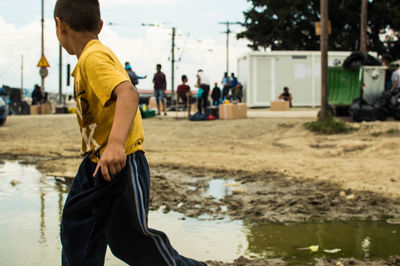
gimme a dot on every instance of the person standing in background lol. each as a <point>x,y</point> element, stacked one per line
<point>216,94</point>
<point>160,86</point>
<point>226,85</point>
<point>203,82</point>
<point>234,81</point>
<point>132,75</point>
<point>396,79</point>
<point>37,96</point>
<point>183,90</point>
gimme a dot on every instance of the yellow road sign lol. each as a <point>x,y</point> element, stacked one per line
<point>318,28</point>
<point>43,62</point>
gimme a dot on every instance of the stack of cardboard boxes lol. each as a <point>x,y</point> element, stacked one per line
<point>41,109</point>
<point>231,111</point>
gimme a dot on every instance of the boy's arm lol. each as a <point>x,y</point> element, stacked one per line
<point>113,159</point>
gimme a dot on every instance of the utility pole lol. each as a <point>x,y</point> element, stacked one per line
<point>364,15</point>
<point>228,31</point>
<point>324,59</point>
<point>60,76</point>
<point>22,73</point>
<point>42,22</point>
<point>172,56</point>
<point>173,64</point>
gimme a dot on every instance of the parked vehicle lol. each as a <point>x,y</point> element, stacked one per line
<point>3,107</point>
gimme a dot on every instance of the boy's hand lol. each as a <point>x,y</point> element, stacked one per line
<point>112,161</point>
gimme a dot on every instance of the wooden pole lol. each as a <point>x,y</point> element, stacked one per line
<point>324,59</point>
<point>364,15</point>
<point>173,65</point>
<point>42,43</point>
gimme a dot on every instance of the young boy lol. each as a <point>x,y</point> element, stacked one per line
<point>108,202</point>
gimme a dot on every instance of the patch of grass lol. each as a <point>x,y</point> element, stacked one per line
<point>286,125</point>
<point>376,134</point>
<point>329,125</point>
<point>393,131</point>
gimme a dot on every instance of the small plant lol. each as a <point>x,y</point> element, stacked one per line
<point>329,125</point>
<point>393,131</point>
<point>286,125</point>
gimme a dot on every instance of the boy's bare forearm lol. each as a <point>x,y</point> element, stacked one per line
<point>127,99</point>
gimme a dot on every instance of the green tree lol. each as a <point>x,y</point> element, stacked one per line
<point>290,25</point>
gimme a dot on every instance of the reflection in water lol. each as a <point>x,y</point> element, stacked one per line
<point>35,207</point>
<point>42,218</point>
<point>356,239</point>
<point>219,188</point>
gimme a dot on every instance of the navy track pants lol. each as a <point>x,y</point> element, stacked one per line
<point>97,214</point>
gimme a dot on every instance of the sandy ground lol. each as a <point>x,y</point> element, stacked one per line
<point>280,171</point>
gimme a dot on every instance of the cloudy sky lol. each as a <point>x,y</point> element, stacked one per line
<point>200,39</point>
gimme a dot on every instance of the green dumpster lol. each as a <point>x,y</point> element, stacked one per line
<point>344,86</point>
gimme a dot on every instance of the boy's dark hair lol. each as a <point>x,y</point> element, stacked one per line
<point>80,15</point>
<point>159,65</point>
<point>184,77</point>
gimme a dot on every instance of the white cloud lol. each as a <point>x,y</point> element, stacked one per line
<point>26,41</point>
<point>144,52</point>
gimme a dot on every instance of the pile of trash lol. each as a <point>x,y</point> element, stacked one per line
<point>359,59</point>
<point>387,105</point>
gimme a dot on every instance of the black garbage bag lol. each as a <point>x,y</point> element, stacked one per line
<point>360,111</point>
<point>394,105</point>
<point>199,117</point>
<point>383,103</point>
<point>359,59</point>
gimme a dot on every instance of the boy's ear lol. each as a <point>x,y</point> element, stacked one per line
<point>101,23</point>
<point>60,25</point>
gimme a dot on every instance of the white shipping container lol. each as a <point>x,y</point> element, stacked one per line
<point>265,74</point>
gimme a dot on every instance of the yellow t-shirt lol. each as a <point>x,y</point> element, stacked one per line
<point>96,75</point>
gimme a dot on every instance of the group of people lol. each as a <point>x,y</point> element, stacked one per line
<point>232,89</point>
<point>160,85</point>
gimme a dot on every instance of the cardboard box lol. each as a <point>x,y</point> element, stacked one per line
<point>45,109</point>
<point>232,111</point>
<point>152,103</point>
<point>241,110</point>
<point>35,109</point>
<point>280,106</point>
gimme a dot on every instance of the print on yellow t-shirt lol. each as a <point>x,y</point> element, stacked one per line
<point>96,75</point>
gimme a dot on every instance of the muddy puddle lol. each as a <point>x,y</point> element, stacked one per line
<point>31,206</point>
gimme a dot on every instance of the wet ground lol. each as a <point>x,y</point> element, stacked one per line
<point>264,197</point>
<point>206,225</point>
